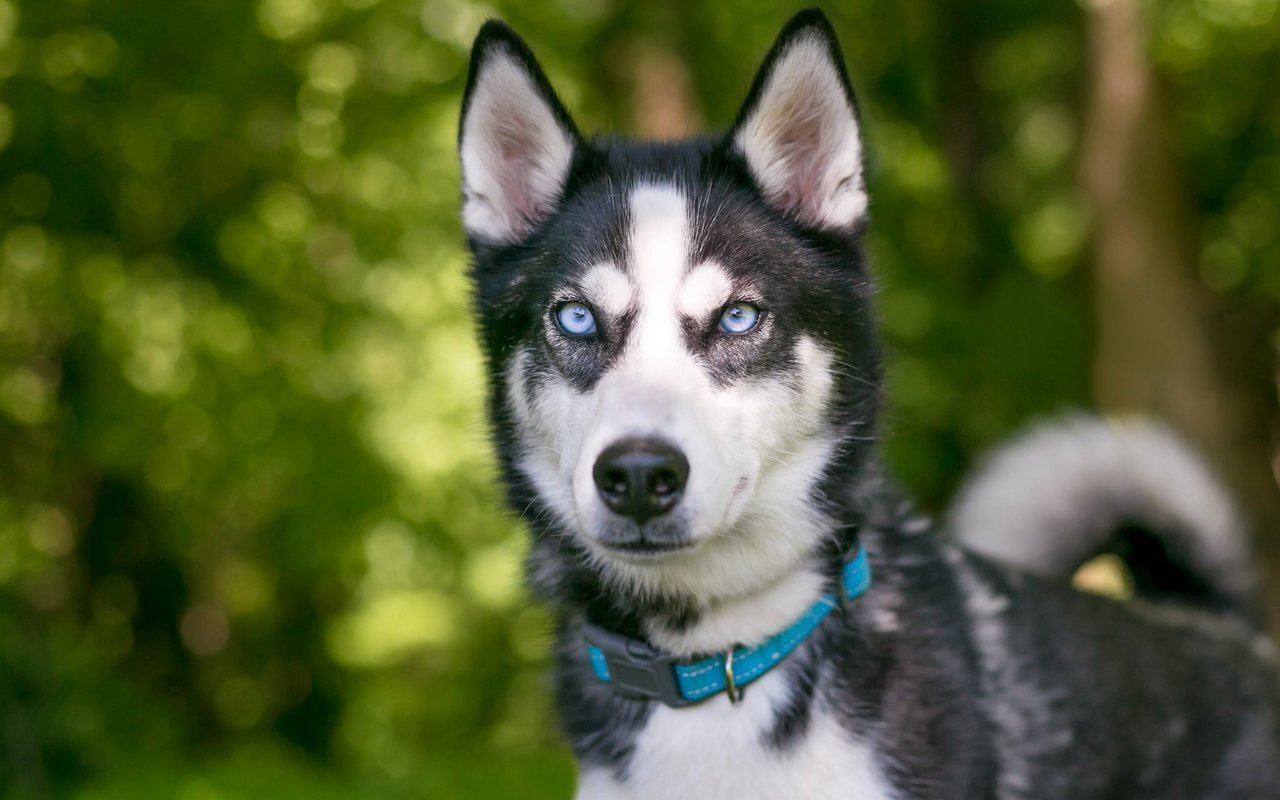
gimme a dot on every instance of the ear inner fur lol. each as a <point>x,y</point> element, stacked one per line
<point>798,129</point>
<point>516,142</point>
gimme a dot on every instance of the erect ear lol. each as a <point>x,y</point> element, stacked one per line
<point>798,129</point>
<point>515,140</point>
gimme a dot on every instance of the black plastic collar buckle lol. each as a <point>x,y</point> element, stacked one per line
<point>636,669</point>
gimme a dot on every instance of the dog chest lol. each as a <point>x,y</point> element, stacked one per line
<point>719,750</point>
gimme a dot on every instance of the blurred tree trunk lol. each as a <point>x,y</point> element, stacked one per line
<point>662,98</point>
<point>1165,345</point>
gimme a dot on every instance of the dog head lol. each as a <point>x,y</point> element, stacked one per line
<point>683,370</point>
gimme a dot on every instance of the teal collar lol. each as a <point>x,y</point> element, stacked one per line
<point>635,669</point>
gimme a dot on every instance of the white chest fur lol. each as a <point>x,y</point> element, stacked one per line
<point>718,750</point>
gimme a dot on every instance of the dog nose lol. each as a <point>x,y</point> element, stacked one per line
<point>641,478</point>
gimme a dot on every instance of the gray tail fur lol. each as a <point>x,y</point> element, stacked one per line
<point>1081,487</point>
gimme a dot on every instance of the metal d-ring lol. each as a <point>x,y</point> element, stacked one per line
<point>730,688</point>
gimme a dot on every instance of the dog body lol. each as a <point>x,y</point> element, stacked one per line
<point>684,382</point>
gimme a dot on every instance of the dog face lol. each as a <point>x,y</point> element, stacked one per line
<point>680,348</point>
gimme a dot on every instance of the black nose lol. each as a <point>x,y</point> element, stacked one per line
<point>641,478</point>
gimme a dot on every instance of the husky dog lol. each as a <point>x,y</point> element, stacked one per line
<point>684,381</point>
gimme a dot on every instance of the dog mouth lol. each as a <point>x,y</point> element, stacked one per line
<point>642,549</point>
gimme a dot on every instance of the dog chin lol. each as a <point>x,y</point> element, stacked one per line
<point>648,554</point>
<point>655,541</point>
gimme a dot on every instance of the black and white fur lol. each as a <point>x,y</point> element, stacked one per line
<point>953,676</point>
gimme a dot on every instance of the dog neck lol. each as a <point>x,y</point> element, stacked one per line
<point>746,620</point>
<point>686,626</point>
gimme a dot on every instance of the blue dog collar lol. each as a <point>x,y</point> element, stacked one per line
<point>635,669</point>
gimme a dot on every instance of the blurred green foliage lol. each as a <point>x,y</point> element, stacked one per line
<point>250,539</point>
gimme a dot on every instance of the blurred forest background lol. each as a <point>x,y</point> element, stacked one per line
<point>250,540</point>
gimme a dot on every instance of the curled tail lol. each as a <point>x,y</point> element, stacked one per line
<point>1071,490</point>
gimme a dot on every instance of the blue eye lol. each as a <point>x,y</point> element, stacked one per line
<point>739,318</point>
<point>575,319</point>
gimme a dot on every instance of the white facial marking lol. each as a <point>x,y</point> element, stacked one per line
<point>657,389</point>
<point>773,432</point>
<point>717,749</point>
<point>756,448</point>
<point>546,423</point>
<point>802,142</point>
<point>515,154</point>
<point>608,288</point>
<point>659,254</point>
<point>706,288</point>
